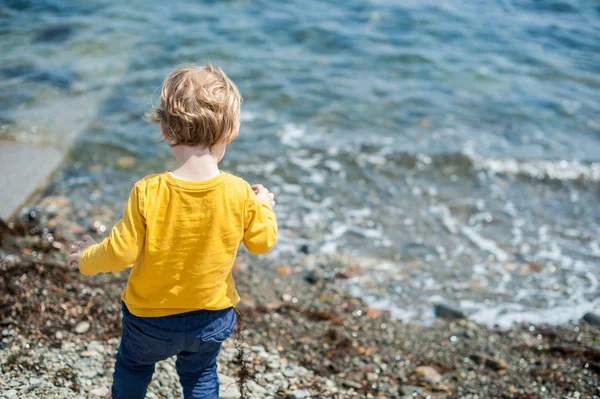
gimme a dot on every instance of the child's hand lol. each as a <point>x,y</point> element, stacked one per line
<point>78,247</point>
<point>264,195</point>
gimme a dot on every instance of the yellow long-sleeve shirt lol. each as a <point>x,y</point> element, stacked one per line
<point>181,239</point>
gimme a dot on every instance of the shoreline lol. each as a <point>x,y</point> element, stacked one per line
<point>60,331</point>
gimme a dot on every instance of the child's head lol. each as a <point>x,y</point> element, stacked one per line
<point>199,106</point>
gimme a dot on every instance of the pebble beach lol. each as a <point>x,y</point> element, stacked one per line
<point>303,335</point>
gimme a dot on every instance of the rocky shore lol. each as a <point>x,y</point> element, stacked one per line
<point>304,336</point>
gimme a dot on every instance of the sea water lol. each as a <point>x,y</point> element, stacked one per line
<point>449,150</point>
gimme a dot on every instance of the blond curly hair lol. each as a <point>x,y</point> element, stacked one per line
<point>199,106</point>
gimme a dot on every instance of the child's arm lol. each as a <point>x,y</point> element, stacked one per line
<point>260,233</point>
<point>120,249</point>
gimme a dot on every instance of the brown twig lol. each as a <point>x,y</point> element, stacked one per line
<point>244,374</point>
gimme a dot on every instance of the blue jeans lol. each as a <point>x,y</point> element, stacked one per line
<point>195,338</point>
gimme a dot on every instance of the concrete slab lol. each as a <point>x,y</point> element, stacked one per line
<point>24,169</point>
<point>47,128</point>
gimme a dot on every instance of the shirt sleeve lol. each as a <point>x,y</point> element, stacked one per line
<point>260,231</point>
<point>122,247</point>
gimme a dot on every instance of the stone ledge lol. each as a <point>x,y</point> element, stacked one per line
<point>25,169</point>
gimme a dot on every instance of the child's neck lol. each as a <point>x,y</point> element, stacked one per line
<point>194,163</point>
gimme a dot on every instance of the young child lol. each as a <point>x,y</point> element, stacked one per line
<point>179,235</point>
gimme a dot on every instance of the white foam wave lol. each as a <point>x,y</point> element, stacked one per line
<point>248,116</point>
<point>508,314</point>
<point>454,227</point>
<point>554,170</point>
<point>291,135</point>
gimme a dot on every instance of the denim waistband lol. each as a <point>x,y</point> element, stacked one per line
<point>193,313</point>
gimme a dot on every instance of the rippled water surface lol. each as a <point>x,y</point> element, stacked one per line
<point>449,149</point>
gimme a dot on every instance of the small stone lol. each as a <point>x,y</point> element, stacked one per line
<point>8,332</point>
<point>372,377</point>
<point>289,371</point>
<point>11,394</point>
<point>489,361</point>
<point>256,389</point>
<point>170,369</point>
<point>372,312</point>
<point>59,335</point>
<point>75,228</point>
<point>7,321</point>
<point>82,364</point>
<point>304,249</point>
<point>279,383</point>
<point>89,354</point>
<point>95,346</point>
<point>592,319</point>
<point>258,349</point>
<point>284,270</point>
<point>55,201</point>
<point>14,383</point>
<point>228,387</point>
<point>527,341</point>
<point>298,394</point>
<point>312,278</point>
<point>352,384</point>
<point>34,382</point>
<point>102,391</point>
<point>449,311</point>
<point>67,346</point>
<point>274,363</point>
<point>89,374</point>
<point>302,371</point>
<point>33,215</point>
<point>427,374</point>
<point>82,327</point>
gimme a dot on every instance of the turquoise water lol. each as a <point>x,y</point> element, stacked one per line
<point>449,149</point>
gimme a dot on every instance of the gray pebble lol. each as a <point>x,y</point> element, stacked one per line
<point>7,321</point>
<point>34,382</point>
<point>279,383</point>
<point>228,388</point>
<point>255,388</point>
<point>89,374</point>
<point>11,394</point>
<point>274,362</point>
<point>289,371</point>
<point>101,391</point>
<point>8,332</point>
<point>67,346</point>
<point>592,319</point>
<point>449,311</point>
<point>82,327</point>
<point>299,394</point>
<point>95,346</point>
<point>352,384</point>
<point>83,363</point>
